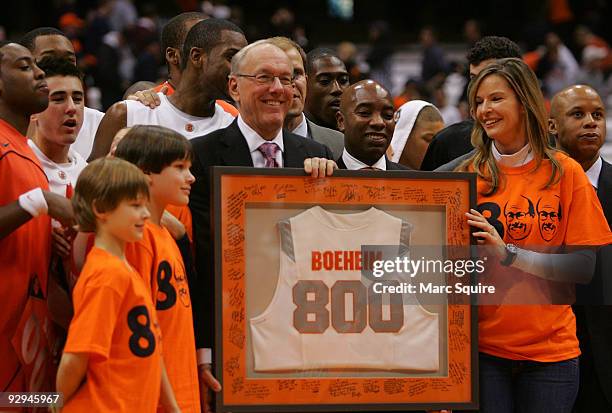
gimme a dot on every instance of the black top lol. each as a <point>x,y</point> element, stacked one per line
<point>448,144</point>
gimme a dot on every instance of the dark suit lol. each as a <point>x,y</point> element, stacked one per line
<point>225,147</point>
<point>594,322</point>
<point>391,166</point>
<point>448,144</point>
<point>452,165</point>
<point>604,189</point>
<point>333,139</point>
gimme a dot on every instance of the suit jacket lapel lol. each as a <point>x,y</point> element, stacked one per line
<point>234,150</point>
<point>293,153</point>
<point>340,163</point>
<point>604,189</point>
<point>308,129</point>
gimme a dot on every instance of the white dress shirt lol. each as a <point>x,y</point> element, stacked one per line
<point>302,128</point>
<point>254,141</point>
<point>353,163</point>
<point>593,172</point>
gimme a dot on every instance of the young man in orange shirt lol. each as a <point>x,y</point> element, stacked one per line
<point>112,358</point>
<point>25,228</point>
<point>165,157</point>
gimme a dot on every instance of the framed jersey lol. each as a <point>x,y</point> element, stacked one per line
<point>329,296</point>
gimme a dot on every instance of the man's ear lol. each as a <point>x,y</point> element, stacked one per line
<point>553,128</point>
<point>340,121</point>
<point>197,56</point>
<point>173,56</point>
<point>232,87</point>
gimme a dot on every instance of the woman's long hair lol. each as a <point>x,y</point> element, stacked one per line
<point>524,83</point>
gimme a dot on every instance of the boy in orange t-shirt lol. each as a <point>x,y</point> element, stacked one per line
<point>112,358</point>
<point>165,156</point>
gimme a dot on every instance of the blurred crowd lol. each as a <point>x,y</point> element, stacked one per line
<point>118,44</point>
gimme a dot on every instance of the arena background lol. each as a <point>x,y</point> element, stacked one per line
<point>381,39</point>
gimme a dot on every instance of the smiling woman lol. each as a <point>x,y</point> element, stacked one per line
<point>499,112</point>
<point>506,101</point>
<point>527,191</point>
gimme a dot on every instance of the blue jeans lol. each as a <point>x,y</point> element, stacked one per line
<point>523,386</point>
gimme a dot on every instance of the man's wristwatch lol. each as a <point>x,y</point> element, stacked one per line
<point>511,252</point>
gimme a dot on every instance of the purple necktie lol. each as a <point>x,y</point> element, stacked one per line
<point>268,150</point>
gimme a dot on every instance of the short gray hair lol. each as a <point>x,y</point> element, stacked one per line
<point>242,53</point>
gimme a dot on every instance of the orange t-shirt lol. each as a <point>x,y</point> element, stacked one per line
<point>228,107</point>
<point>567,213</point>
<point>24,254</point>
<point>183,214</point>
<point>157,258</point>
<point>115,324</point>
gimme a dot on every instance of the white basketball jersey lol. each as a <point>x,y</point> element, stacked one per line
<point>60,175</point>
<point>322,316</point>
<point>166,114</point>
<point>85,139</point>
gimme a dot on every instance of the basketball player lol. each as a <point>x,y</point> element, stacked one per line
<point>191,110</point>
<point>26,205</point>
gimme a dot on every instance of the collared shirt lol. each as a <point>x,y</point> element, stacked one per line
<point>353,164</point>
<point>522,157</point>
<point>593,172</point>
<point>302,128</point>
<point>254,140</point>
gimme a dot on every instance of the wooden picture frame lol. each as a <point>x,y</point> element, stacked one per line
<point>249,205</point>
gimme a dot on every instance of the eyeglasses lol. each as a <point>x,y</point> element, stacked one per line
<point>266,79</point>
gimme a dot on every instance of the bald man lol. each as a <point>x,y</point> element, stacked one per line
<point>578,122</point>
<point>366,117</point>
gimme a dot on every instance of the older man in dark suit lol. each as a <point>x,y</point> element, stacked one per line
<point>578,122</point>
<point>366,118</point>
<point>261,81</point>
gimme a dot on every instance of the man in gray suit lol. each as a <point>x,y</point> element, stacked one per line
<point>296,122</point>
